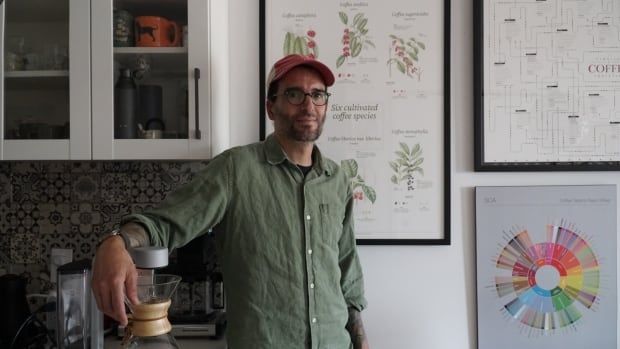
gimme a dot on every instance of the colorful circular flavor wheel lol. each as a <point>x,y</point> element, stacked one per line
<point>551,282</point>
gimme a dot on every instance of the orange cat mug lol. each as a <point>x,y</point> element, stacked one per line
<point>153,31</point>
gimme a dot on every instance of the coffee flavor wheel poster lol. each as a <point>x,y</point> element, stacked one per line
<point>546,267</point>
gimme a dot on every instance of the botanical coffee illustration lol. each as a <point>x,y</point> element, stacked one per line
<point>404,55</point>
<point>354,37</point>
<point>301,44</point>
<point>350,168</point>
<point>407,163</point>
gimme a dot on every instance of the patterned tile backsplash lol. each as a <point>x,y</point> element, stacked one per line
<point>68,204</point>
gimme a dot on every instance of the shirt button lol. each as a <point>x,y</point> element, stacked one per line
<point>312,285</point>
<point>313,320</point>
<point>308,217</point>
<point>309,251</point>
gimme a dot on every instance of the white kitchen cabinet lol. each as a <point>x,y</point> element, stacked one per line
<point>82,97</point>
<point>171,68</point>
<point>45,105</point>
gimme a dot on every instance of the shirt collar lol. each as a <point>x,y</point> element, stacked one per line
<point>275,155</point>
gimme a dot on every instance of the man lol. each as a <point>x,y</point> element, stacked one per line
<point>282,218</point>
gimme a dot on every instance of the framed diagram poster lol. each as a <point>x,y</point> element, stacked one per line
<point>546,261</point>
<point>387,121</point>
<point>547,85</point>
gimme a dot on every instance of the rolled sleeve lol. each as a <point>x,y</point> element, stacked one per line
<point>352,279</point>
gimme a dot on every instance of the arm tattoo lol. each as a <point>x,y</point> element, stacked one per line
<point>356,328</point>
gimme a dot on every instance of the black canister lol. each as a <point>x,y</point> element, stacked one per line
<point>125,106</point>
<point>150,103</point>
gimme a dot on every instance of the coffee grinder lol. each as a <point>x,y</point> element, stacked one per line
<point>79,321</point>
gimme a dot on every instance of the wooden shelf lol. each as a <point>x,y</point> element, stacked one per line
<point>36,80</point>
<point>150,50</point>
<point>20,74</point>
<point>160,58</point>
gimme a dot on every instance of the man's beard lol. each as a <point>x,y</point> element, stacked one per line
<point>304,134</point>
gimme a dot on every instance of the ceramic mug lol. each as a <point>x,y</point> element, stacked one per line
<point>153,31</point>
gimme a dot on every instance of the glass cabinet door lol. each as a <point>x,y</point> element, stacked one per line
<point>150,69</point>
<point>45,51</point>
<point>152,79</point>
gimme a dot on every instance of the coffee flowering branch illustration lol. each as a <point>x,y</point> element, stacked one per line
<point>404,54</point>
<point>304,45</point>
<point>408,161</point>
<point>350,168</point>
<point>354,37</point>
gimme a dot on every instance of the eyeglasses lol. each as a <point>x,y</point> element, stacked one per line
<point>297,96</point>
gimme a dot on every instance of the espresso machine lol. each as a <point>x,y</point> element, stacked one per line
<point>198,308</point>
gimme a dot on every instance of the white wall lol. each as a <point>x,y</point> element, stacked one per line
<point>419,296</point>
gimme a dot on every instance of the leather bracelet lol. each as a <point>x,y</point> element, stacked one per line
<point>115,232</point>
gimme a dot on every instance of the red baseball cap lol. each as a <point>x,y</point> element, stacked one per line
<point>286,63</point>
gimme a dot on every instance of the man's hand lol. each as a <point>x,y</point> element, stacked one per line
<point>114,275</point>
<point>356,330</point>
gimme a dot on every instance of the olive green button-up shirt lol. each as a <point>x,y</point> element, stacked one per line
<point>285,243</point>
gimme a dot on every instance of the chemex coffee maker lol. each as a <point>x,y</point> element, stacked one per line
<point>148,325</point>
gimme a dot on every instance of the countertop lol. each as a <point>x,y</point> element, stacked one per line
<point>112,342</point>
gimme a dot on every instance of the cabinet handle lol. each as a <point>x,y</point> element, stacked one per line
<point>196,102</point>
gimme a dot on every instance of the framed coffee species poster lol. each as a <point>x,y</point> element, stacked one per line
<point>387,118</point>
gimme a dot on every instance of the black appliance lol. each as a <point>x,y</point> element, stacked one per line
<point>15,311</point>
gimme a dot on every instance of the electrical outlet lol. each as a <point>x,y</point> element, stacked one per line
<point>58,257</point>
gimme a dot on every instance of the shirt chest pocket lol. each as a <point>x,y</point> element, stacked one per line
<point>332,216</point>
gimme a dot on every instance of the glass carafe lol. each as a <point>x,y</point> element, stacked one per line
<point>148,325</point>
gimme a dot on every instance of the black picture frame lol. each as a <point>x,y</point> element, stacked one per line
<point>445,236</point>
<point>482,163</point>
